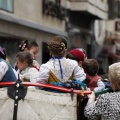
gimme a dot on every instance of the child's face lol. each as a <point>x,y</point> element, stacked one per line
<point>21,65</point>
<point>34,51</point>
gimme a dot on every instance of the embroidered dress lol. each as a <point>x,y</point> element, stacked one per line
<point>60,70</point>
<point>36,64</point>
<point>107,106</point>
<point>29,74</point>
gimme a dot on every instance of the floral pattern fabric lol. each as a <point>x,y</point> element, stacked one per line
<point>68,67</point>
<point>106,106</point>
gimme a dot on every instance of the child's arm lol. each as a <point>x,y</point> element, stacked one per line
<point>3,69</point>
<point>100,86</point>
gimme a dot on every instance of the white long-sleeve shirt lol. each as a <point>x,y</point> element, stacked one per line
<point>69,67</point>
<point>100,86</point>
<point>31,74</point>
<point>4,68</point>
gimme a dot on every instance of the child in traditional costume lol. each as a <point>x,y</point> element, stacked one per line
<point>91,67</point>
<point>6,72</point>
<point>26,71</point>
<point>59,68</point>
<point>33,48</point>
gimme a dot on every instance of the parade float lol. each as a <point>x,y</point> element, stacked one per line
<point>21,101</point>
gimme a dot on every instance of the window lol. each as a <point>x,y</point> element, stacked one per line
<point>7,5</point>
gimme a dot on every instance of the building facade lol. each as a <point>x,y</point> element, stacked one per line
<point>26,20</point>
<point>110,40</point>
<point>87,25</point>
<point>41,19</point>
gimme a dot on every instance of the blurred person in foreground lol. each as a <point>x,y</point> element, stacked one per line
<point>5,58</point>
<point>6,72</point>
<point>106,106</point>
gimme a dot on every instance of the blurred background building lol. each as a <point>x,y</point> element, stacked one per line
<point>89,24</point>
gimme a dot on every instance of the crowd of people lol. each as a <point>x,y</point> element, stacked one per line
<point>64,66</point>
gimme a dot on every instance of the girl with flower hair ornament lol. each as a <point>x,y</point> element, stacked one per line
<point>33,48</point>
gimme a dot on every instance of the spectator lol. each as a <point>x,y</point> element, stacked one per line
<point>106,106</point>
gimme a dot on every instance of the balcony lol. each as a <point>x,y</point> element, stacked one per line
<point>96,8</point>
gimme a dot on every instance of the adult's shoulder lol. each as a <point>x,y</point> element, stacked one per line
<point>108,96</point>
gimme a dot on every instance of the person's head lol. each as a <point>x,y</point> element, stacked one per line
<point>114,76</point>
<point>24,60</point>
<point>30,46</point>
<point>58,46</point>
<point>81,49</point>
<point>2,53</point>
<point>91,66</point>
<point>77,55</point>
<point>5,55</point>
